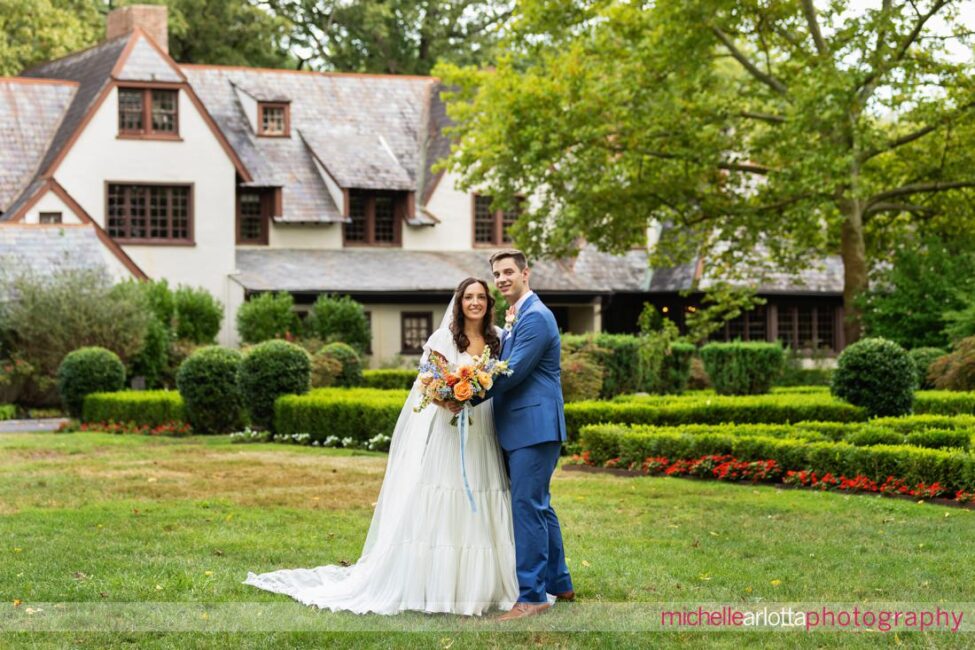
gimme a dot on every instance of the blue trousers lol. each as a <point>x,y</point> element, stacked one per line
<point>539,553</point>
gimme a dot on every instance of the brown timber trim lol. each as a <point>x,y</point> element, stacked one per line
<point>260,119</point>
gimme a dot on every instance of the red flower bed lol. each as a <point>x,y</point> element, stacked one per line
<point>727,468</point>
<point>165,429</point>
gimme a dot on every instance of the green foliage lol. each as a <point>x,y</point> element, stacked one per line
<point>960,324</point>
<point>269,370</point>
<point>617,354</point>
<point>955,371</point>
<point>923,358</point>
<point>953,469</point>
<point>794,374</point>
<point>339,319</point>
<point>395,36</point>
<point>500,306</point>
<point>351,374</point>
<point>207,382</point>
<point>720,303</point>
<point>675,371</point>
<point>325,370</point>
<point>198,315</point>
<point>909,299</point>
<point>869,436</point>
<point>712,409</point>
<point>940,439</point>
<point>57,313</point>
<point>7,412</point>
<point>742,368</point>
<point>88,370</point>
<point>358,413</point>
<point>268,316</point>
<point>645,100</point>
<point>389,379</point>
<point>36,31</point>
<point>152,359</point>
<point>144,407</point>
<point>161,300</point>
<point>581,375</point>
<point>877,375</point>
<point>944,402</point>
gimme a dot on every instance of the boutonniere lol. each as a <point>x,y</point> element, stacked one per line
<point>510,319</point>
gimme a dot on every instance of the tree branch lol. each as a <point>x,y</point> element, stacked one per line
<point>766,79</point>
<point>887,206</point>
<point>917,188</point>
<point>810,11</point>
<point>750,168</point>
<point>762,117</point>
<point>915,135</point>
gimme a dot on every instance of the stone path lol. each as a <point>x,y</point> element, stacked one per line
<point>30,426</point>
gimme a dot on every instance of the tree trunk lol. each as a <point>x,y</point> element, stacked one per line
<point>853,251</point>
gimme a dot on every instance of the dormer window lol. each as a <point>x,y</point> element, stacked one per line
<point>274,119</point>
<point>148,112</point>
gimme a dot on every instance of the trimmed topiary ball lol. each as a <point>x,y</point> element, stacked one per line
<point>877,375</point>
<point>207,381</point>
<point>923,358</point>
<point>271,369</point>
<point>351,374</point>
<point>85,371</point>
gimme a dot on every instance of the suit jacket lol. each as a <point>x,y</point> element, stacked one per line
<point>528,407</point>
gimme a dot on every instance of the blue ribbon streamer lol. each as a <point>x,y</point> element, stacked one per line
<point>462,426</point>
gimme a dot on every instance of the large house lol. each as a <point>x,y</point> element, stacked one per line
<point>247,180</point>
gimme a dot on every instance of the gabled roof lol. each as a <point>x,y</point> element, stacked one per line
<point>366,131</point>
<point>30,112</point>
<point>825,277</point>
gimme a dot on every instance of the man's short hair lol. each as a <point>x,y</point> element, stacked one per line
<point>520,260</point>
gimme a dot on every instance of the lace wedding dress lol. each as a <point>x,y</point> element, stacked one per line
<point>426,550</point>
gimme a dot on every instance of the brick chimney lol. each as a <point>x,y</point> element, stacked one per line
<point>150,18</point>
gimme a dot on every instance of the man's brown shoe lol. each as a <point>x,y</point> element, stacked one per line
<point>566,595</point>
<point>523,610</point>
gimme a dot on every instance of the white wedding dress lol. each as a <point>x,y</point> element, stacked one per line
<point>426,550</point>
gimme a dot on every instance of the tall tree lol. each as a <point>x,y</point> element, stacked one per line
<point>391,36</point>
<point>772,132</point>
<point>35,31</point>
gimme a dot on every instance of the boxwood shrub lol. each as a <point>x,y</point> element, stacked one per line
<point>144,407</point>
<point>740,368</point>
<point>269,370</point>
<point>358,413</point>
<point>944,402</point>
<point>207,382</point>
<point>954,469</point>
<point>389,379</point>
<point>7,411</point>
<point>877,375</point>
<point>88,370</point>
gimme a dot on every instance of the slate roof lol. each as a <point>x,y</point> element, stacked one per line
<point>396,270</point>
<point>823,278</point>
<point>30,113</point>
<point>91,69</point>
<point>44,249</point>
<point>367,131</point>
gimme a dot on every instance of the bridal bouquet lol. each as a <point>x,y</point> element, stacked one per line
<point>440,381</point>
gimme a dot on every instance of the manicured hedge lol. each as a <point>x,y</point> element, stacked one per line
<point>358,413</point>
<point>953,469</point>
<point>944,402</point>
<point>755,409</point>
<point>393,379</point>
<point>145,407</point>
<point>742,368</point>
<point>7,411</point>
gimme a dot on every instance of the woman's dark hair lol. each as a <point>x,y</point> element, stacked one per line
<point>457,327</point>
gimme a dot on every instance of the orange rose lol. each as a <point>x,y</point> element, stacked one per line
<point>463,391</point>
<point>484,379</point>
<point>452,379</point>
<point>465,372</point>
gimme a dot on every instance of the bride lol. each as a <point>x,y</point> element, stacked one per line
<point>426,549</point>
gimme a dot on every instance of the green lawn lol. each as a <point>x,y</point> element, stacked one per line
<point>95,518</point>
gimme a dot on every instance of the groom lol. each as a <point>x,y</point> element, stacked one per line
<point>530,422</point>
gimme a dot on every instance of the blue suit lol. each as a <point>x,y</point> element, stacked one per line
<point>530,421</point>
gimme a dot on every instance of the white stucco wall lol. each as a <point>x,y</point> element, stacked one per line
<point>51,202</point>
<point>317,236</point>
<point>99,156</point>
<point>454,208</point>
<point>386,328</point>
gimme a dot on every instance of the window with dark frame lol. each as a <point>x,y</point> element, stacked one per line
<point>273,119</point>
<point>416,328</point>
<point>49,217</point>
<point>374,218</point>
<point>491,226</point>
<point>152,112</point>
<point>749,326</point>
<point>149,213</point>
<point>807,327</point>
<point>255,207</point>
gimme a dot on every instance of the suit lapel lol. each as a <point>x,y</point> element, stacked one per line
<point>510,336</point>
